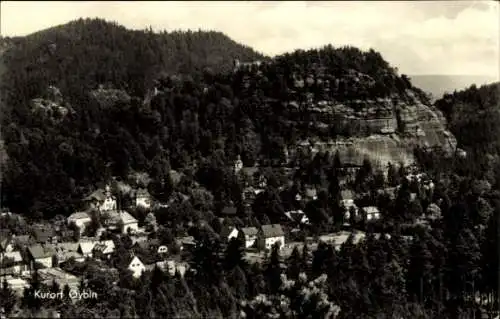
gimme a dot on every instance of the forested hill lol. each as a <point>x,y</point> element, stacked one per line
<point>87,52</point>
<point>473,116</point>
<point>90,100</point>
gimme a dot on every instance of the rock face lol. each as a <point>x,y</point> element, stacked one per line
<point>383,131</point>
<point>52,105</point>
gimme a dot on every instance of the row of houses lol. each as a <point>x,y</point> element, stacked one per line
<point>16,264</point>
<point>261,238</point>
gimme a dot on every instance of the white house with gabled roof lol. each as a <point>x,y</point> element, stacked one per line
<point>136,266</point>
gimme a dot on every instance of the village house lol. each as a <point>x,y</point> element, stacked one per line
<point>311,193</point>
<point>249,194</point>
<point>40,256</point>
<point>270,235</point>
<point>150,245</point>
<point>85,248</point>
<point>372,213</point>
<point>80,219</point>
<point>138,238</point>
<point>6,243</point>
<point>228,232</point>
<point>103,249</point>
<point>347,198</point>
<point>351,212</point>
<point>248,176</point>
<point>297,216</point>
<point>186,242</point>
<point>175,176</point>
<point>249,236</point>
<point>23,240</point>
<point>162,249</point>
<point>337,239</point>
<point>261,181</point>
<point>44,234</point>
<point>172,266</point>
<point>143,198</point>
<point>229,211</point>
<point>130,224</point>
<point>102,200</point>
<point>238,165</point>
<point>66,250</point>
<point>136,266</point>
<point>123,218</point>
<point>18,285</point>
<point>62,278</point>
<point>145,245</point>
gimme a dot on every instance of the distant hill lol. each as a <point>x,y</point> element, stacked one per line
<point>437,85</point>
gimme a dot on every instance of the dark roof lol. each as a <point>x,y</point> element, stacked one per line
<point>143,245</point>
<point>250,171</point>
<point>273,230</point>
<point>249,231</point>
<point>229,210</point>
<point>39,251</point>
<point>22,240</point>
<point>188,240</point>
<point>226,230</point>
<point>98,195</point>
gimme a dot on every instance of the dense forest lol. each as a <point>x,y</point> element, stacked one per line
<point>89,101</point>
<point>474,110</point>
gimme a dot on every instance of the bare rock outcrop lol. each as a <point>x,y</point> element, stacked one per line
<point>383,131</point>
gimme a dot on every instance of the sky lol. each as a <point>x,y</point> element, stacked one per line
<point>417,37</point>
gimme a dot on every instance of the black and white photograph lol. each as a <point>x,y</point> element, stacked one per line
<point>250,159</point>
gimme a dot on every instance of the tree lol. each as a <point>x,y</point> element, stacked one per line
<point>419,274</point>
<point>393,176</point>
<point>8,298</point>
<point>489,256</point>
<point>95,223</point>
<point>294,264</point>
<point>234,256</point>
<point>29,300</point>
<point>273,270</point>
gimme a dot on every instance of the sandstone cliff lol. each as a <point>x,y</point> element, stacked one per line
<point>383,131</point>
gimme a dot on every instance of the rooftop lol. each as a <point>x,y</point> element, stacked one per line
<point>86,247</point>
<point>273,230</point>
<point>79,215</point>
<point>39,251</point>
<point>249,231</point>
